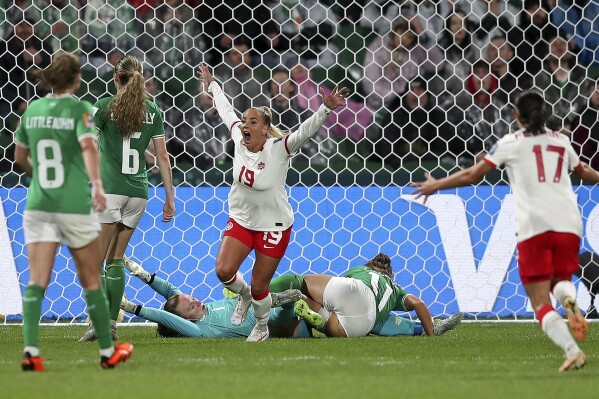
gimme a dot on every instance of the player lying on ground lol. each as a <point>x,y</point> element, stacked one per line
<point>182,310</point>
<point>359,302</point>
<point>185,316</point>
<point>548,222</point>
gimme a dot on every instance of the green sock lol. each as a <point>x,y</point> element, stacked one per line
<point>285,282</point>
<point>115,285</point>
<point>97,306</point>
<point>32,309</point>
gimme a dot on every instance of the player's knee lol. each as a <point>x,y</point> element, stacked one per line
<point>224,272</point>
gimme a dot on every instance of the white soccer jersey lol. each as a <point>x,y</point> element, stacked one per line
<point>539,171</point>
<point>258,200</point>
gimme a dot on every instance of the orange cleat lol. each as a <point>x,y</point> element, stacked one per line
<point>578,324</point>
<point>122,352</point>
<point>32,363</point>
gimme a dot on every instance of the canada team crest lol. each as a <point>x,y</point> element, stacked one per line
<point>229,226</point>
<point>261,165</point>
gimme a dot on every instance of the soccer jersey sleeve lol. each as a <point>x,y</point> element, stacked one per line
<point>501,152</point>
<point>573,160</point>
<point>85,124</point>
<point>225,111</point>
<point>294,141</point>
<point>164,288</point>
<point>180,325</point>
<point>21,138</point>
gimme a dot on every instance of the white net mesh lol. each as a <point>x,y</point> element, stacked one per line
<point>432,85</point>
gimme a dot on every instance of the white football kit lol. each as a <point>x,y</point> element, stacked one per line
<point>538,168</point>
<point>258,199</point>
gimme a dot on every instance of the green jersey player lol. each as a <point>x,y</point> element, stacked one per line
<point>58,133</point>
<point>360,302</point>
<point>127,124</point>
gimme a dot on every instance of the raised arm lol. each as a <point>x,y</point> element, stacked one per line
<point>465,177</point>
<point>310,126</point>
<point>222,105</point>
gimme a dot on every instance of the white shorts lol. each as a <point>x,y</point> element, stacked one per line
<point>76,231</point>
<point>353,303</point>
<point>123,209</point>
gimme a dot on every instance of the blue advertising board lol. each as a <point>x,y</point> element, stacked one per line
<point>457,252</point>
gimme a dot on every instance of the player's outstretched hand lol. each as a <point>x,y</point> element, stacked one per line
<point>335,99</point>
<point>168,210</point>
<point>425,188</point>
<point>204,75</point>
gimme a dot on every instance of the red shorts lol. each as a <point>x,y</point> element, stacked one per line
<point>269,243</point>
<point>548,255</point>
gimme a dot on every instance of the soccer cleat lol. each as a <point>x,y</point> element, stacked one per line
<point>258,334</point>
<point>441,326</point>
<point>227,293</point>
<point>90,334</point>
<point>574,363</point>
<point>136,270</point>
<point>32,363</point>
<point>578,324</point>
<point>285,297</point>
<point>122,352</point>
<point>240,312</point>
<point>302,310</point>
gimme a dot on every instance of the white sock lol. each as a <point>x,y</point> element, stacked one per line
<point>262,309</point>
<point>113,323</point>
<point>325,317</point>
<point>563,290</point>
<point>239,286</point>
<point>107,352</point>
<point>34,351</point>
<point>556,329</point>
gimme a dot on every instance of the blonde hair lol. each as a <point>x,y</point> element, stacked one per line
<point>61,74</point>
<point>273,130</point>
<point>128,107</point>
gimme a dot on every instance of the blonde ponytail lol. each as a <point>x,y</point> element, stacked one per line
<point>273,131</point>
<point>128,107</point>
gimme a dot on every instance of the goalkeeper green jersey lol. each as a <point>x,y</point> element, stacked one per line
<point>51,128</point>
<point>388,295</point>
<point>122,161</point>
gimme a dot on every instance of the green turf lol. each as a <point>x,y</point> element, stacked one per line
<point>474,361</point>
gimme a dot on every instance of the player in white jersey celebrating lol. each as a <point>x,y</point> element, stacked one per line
<point>260,214</point>
<point>548,223</point>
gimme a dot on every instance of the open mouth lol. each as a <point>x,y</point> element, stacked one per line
<point>246,137</point>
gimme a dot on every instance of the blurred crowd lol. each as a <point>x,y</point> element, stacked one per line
<point>433,79</point>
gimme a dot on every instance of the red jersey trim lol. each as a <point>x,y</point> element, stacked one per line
<point>488,161</point>
<point>286,147</point>
<point>233,125</point>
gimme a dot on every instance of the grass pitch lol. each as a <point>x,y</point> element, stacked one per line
<point>477,360</point>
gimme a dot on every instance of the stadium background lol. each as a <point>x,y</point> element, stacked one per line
<point>431,97</point>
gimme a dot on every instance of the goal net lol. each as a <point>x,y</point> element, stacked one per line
<point>432,85</point>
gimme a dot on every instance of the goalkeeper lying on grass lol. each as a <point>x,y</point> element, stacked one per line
<point>188,317</point>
